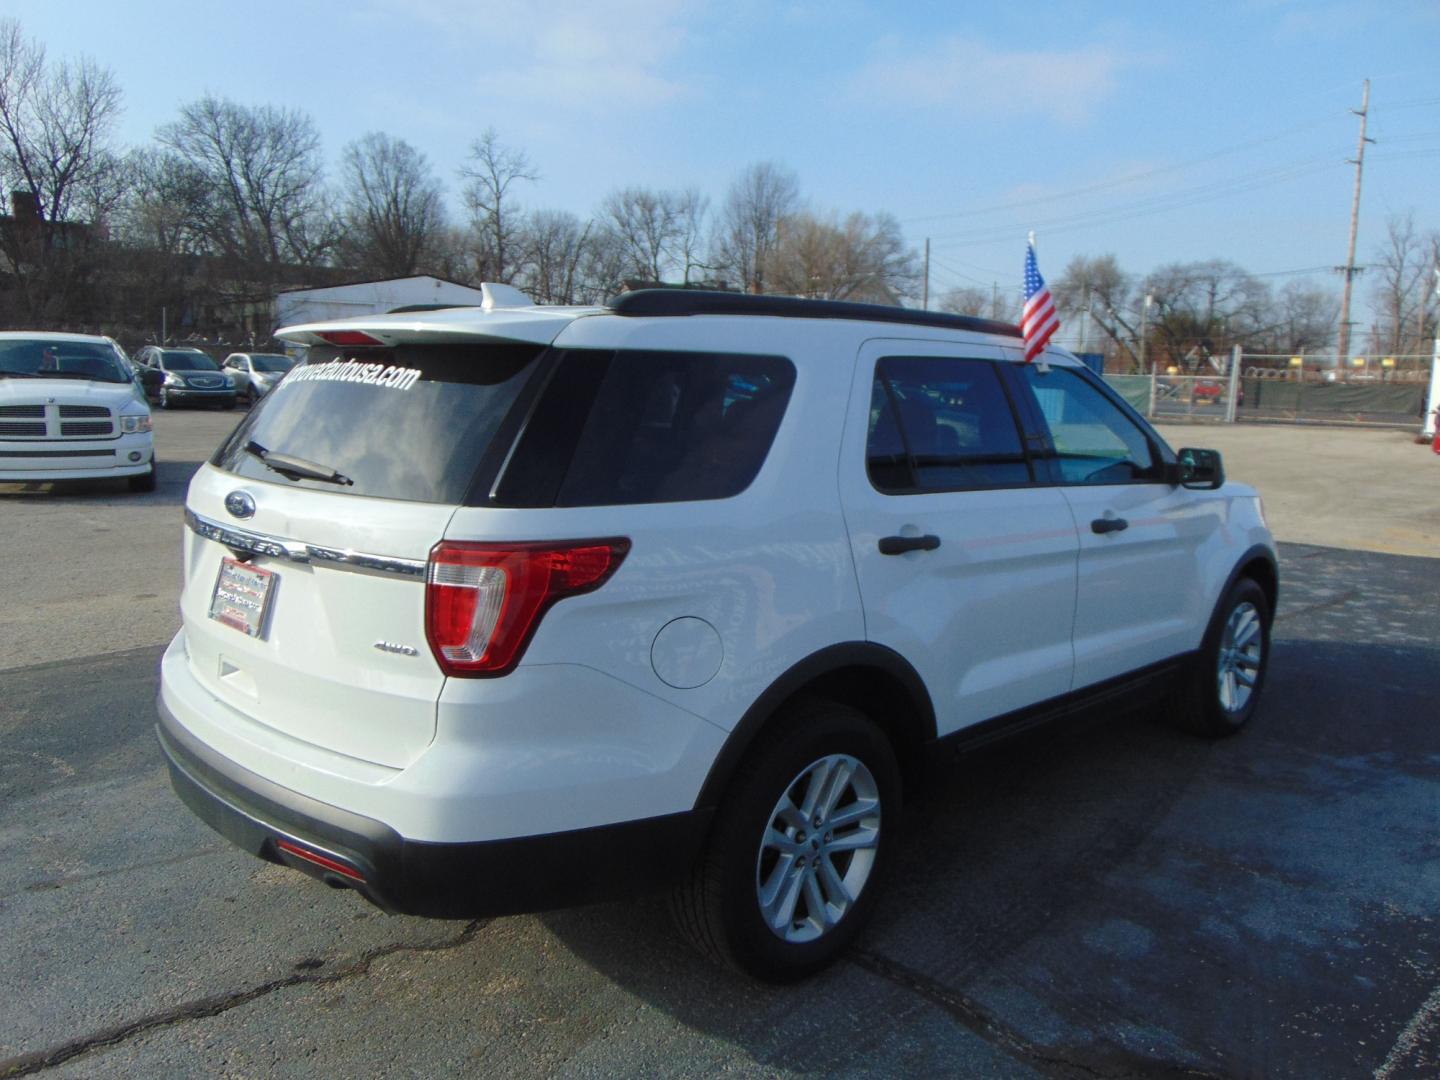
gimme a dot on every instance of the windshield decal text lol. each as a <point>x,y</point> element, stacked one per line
<point>353,371</point>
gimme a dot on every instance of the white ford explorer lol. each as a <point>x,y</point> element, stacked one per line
<point>495,609</point>
<point>70,409</point>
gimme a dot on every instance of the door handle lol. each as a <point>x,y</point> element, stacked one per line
<point>1101,526</point>
<point>898,545</point>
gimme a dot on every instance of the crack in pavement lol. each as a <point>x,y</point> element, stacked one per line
<point>1041,1058</point>
<point>1345,597</point>
<point>204,1008</point>
<point>51,884</point>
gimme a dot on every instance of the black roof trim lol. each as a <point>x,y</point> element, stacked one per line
<point>407,309</point>
<point>668,302</point>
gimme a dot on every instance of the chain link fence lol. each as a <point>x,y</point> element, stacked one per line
<point>1316,389</point>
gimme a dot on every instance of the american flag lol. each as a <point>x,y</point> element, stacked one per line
<point>1038,322</point>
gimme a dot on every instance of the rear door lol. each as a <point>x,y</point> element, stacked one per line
<point>965,559</point>
<point>309,530</point>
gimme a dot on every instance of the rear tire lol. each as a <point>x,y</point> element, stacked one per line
<point>1220,694</point>
<point>797,854</point>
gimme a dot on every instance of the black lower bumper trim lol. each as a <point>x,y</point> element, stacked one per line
<point>463,880</point>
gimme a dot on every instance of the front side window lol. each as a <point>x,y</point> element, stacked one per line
<point>1095,442</point>
<point>941,425</point>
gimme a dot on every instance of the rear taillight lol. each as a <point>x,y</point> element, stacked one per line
<point>483,601</point>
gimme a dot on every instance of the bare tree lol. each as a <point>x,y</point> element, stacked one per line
<point>555,243</point>
<point>859,258</point>
<point>391,207</point>
<point>492,171</point>
<point>758,200</point>
<point>690,212</point>
<point>55,124</point>
<point>603,263</point>
<point>981,303</point>
<point>1304,319</point>
<point>1095,288</point>
<point>645,223</point>
<point>1404,271</point>
<point>162,226</point>
<point>1203,308</point>
<point>267,207</point>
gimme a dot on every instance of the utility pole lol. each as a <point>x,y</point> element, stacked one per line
<point>1432,399</point>
<point>925,300</point>
<point>1350,269</point>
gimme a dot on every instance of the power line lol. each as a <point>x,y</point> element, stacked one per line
<point>1121,181</point>
<point>1152,205</point>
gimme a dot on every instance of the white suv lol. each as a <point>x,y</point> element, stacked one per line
<point>490,610</point>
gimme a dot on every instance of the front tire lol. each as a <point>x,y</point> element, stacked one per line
<point>1221,694</point>
<point>796,856</point>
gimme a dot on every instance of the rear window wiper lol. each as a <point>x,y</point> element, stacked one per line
<point>295,468</point>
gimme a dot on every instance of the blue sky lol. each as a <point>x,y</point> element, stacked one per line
<point>1157,131</point>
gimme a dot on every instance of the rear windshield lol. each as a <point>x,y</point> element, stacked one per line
<point>81,360</point>
<point>413,422</point>
<point>648,427</point>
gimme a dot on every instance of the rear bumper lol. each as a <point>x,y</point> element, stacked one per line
<point>441,880</point>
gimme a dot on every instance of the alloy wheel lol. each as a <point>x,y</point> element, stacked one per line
<point>819,848</point>
<point>1242,645</point>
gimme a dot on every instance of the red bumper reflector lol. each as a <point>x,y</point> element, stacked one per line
<point>316,859</point>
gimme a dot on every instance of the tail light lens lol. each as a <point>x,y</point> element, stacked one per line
<point>484,601</point>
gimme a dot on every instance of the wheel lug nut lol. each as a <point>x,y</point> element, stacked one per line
<point>800,838</point>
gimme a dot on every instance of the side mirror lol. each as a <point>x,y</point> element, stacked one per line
<point>151,378</point>
<point>1199,470</point>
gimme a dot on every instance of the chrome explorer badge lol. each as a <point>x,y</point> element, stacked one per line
<point>240,504</point>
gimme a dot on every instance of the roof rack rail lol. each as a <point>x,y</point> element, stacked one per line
<point>668,302</point>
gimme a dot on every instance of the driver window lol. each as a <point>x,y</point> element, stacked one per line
<point>1095,443</point>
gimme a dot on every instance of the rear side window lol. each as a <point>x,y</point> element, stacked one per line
<point>414,422</point>
<point>941,425</point>
<point>637,426</point>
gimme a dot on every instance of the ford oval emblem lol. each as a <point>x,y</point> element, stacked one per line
<point>240,504</point>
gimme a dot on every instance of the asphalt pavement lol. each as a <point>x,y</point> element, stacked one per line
<point>1115,899</point>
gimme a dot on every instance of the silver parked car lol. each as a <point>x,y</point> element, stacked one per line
<point>256,374</point>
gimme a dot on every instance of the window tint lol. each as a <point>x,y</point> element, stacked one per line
<point>61,359</point>
<point>647,427</point>
<point>414,422</point>
<point>182,360</point>
<point>1095,443</point>
<point>941,425</point>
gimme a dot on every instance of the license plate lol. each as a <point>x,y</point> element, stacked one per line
<point>242,597</point>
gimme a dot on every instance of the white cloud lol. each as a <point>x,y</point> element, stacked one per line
<point>548,54</point>
<point>966,76</point>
